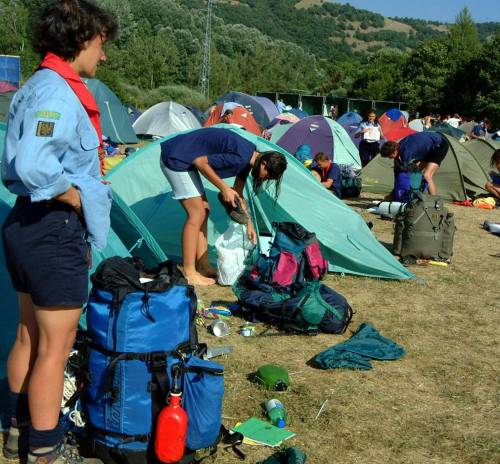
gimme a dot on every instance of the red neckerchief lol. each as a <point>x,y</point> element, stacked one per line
<point>324,172</point>
<point>58,65</point>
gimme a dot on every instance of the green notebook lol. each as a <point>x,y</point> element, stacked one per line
<point>263,432</point>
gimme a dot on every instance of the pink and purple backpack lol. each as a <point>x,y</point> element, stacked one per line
<point>295,257</point>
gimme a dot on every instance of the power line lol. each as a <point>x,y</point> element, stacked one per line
<point>204,83</point>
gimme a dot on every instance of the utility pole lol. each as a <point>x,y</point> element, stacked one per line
<point>204,83</point>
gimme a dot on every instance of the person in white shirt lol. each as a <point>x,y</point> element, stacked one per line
<point>454,121</point>
<point>371,133</point>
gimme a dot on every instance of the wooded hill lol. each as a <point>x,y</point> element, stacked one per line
<point>286,45</point>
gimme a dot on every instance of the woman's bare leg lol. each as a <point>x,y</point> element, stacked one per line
<point>56,335</point>
<point>194,243</point>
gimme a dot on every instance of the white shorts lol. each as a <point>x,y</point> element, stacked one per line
<point>185,184</point>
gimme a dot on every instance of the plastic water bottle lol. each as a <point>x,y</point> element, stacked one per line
<point>171,430</point>
<point>276,412</point>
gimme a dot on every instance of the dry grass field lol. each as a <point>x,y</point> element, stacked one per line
<point>439,404</point>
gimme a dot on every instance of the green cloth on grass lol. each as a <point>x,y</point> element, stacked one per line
<point>356,353</point>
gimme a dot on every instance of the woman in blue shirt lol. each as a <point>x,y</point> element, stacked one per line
<point>217,154</point>
<point>51,163</point>
<point>371,131</point>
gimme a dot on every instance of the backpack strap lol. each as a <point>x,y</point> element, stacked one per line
<point>144,438</point>
<point>232,440</point>
<point>158,360</point>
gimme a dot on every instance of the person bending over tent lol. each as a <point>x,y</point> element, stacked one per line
<point>328,173</point>
<point>217,154</point>
<point>493,187</point>
<point>425,149</point>
<point>371,131</point>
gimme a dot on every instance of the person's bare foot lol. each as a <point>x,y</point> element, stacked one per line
<point>207,270</point>
<point>197,279</point>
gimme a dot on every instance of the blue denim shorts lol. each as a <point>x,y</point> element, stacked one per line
<point>46,252</point>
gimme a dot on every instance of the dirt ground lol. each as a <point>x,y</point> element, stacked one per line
<point>438,404</point>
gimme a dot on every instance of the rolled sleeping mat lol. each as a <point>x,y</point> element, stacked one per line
<point>388,208</point>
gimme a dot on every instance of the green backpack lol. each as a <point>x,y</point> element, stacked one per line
<point>424,229</point>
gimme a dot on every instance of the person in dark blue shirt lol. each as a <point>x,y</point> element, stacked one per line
<point>426,150</point>
<point>328,173</point>
<point>217,154</point>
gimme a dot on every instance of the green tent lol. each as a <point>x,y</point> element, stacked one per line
<point>115,121</point>
<point>348,244</point>
<point>445,128</point>
<point>482,150</point>
<point>460,175</point>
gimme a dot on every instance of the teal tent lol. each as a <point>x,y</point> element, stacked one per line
<point>3,128</point>
<point>115,121</point>
<point>348,244</point>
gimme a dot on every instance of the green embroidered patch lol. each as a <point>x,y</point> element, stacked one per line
<point>48,114</point>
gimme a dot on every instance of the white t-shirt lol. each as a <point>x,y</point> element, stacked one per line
<point>454,122</point>
<point>373,132</point>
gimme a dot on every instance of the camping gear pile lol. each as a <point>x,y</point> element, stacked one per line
<point>131,376</point>
<point>133,367</point>
<point>283,288</point>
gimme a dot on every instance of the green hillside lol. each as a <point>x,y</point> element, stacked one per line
<point>269,45</point>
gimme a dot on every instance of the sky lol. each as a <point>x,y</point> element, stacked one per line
<point>432,10</point>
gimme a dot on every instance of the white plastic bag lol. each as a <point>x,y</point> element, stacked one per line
<point>233,246</point>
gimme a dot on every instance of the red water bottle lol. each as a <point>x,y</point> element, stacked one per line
<point>171,430</point>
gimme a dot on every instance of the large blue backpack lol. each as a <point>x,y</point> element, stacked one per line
<point>141,340</point>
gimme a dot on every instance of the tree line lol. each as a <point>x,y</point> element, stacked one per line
<point>279,48</point>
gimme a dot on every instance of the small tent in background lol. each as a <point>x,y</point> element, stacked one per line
<point>445,128</point>
<point>398,133</point>
<point>165,118</point>
<point>350,122</point>
<point>348,243</point>
<point>115,121</point>
<point>417,125</point>
<point>197,113</point>
<point>298,112</point>
<point>391,120</point>
<point>241,117</point>
<point>459,176</point>
<point>283,118</point>
<point>133,112</point>
<point>467,127</point>
<point>322,134</point>
<point>263,109</point>
<point>352,118</point>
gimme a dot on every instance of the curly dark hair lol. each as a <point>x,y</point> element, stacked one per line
<point>64,26</point>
